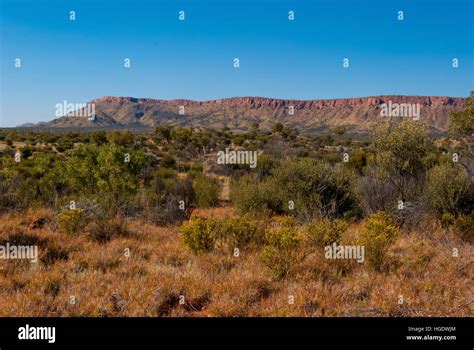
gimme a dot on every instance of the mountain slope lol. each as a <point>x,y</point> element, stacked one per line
<point>238,114</point>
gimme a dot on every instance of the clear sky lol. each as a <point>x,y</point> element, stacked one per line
<point>76,61</point>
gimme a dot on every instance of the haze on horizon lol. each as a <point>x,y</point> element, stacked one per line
<point>78,61</point>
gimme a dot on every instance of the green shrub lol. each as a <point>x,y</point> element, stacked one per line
<point>462,122</point>
<point>286,221</point>
<point>71,221</point>
<point>110,173</point>
<point>265,167</point>
<point>281,254</point>
<point>447,220</point>
<point>250,196</point>
<point>277,127</point>
<point>27,151</point>
<point>449,189</point>
<point>339,130</point>
<point>199,234</point>
<point>397,167</point>
<point>168,161</point>
<point>203,235</point>
<point>34,181</point>
<point>358,161</point>
<point>464,226</point>
<point>241,231</point>
<point>377,235</point>
<point>315,188</point>
<point>121,138</point>
<point>326,232</point>
<point>207,191</point>
<point>400,149</point>
<point>196,168</point>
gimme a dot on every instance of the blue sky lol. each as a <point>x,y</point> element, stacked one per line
<point>81,60</point>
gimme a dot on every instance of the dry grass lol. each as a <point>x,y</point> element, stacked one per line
<point>161,277</point>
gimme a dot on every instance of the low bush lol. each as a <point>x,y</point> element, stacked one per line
<point>171,199</point>
<point>447,220</point>
<point>464,226</point>
<point>241,231</point>
<point>326,232</point>
<point>250,196</point>
<point>105,229</point>
<point>316,190</point>
<point>199,234</point>
<point>377,235</point>
<point>71,221</point>
<point>281,253</point>
<point>449,189</point>
<point>203,235</point>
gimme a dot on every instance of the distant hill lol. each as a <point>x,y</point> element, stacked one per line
<point>358,115</point>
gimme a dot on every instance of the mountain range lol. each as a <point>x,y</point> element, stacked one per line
<point>357,115</point>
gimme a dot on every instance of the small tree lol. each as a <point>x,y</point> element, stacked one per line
<point>207,191</point>
<point>164,133</point>
<point>462,122</point>
<point>462,128</point>
<point>399,150</point>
